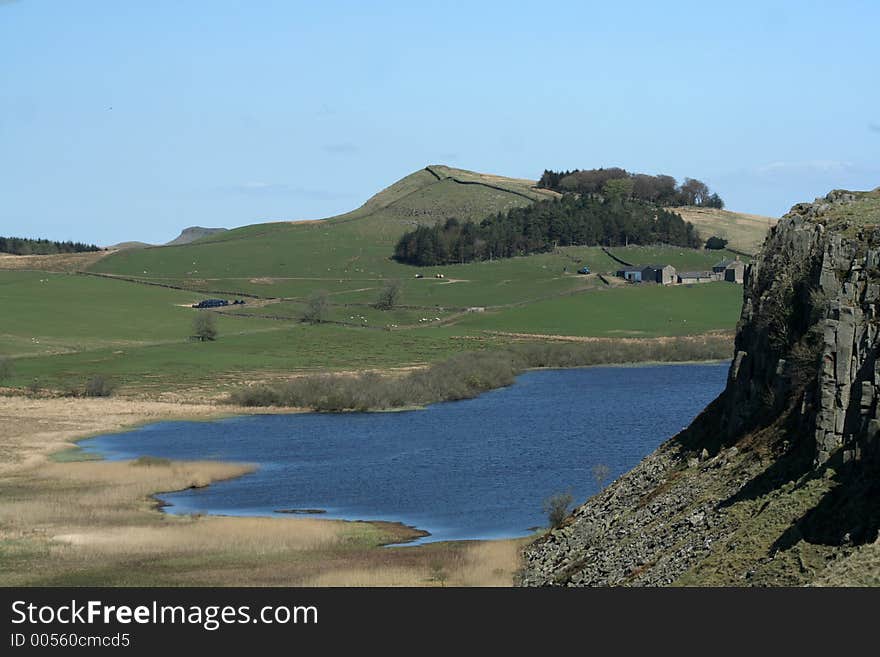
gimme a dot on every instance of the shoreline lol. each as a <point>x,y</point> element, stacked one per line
<point>48,517</point>
<point>418,534</point>
<point>82,522</point>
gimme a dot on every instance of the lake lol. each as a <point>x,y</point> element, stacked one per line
<point>472,469</point>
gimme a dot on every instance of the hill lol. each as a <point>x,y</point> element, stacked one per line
<point>194,233</point>
<point>777,482</point>
<point>278,267</point>
<point>129,245</point>
<point>745,232</point>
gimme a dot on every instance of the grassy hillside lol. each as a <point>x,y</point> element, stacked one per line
<point>744,232</point>
<point>194,233</point>
<point>130,320</point>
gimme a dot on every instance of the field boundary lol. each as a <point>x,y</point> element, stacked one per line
<point>616,259</point>
<point>484,184</point>
<point>141,281</point>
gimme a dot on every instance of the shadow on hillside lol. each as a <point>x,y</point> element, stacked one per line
<point>791,464</point>
<point>847,515</point>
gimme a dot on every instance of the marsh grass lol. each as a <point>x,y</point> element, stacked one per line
<point>151,461</point>
<point>97,523</point>
<point>467,375</point>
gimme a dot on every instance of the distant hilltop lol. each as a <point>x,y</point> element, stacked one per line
<point>186,236</point>
<point>192,234</point>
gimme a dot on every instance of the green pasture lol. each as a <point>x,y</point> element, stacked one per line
<point>628,311</point>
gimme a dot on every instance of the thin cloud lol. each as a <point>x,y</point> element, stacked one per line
<point>874,127</point>
<point>806,166</point>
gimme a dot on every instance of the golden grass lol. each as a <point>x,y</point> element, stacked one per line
<point>96,522</point>
<point>478,563</point>
<point>61,262</point>
<point>745,232</point>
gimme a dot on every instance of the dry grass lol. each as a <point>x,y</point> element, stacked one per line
<point>479,563</point>
<point>861,568</point>
<point>96,522</point>
<point>745,232</point>
<point>60,262</point>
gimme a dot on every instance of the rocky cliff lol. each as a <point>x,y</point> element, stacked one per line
<point>192,234</point>
<point>778,480</point>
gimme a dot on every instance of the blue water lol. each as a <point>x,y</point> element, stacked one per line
<point>474,469</point>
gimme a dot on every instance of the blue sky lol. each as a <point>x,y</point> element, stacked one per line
<point>132,120</point>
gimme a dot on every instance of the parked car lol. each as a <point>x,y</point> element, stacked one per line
<point>584,270</point>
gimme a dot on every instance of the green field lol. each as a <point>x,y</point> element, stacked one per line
<point>632,311</point>
<point>130,320</point>
<point>45,313</point>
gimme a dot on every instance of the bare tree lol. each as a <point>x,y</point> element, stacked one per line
<point>601,472</point>
<point>205,326</point>
<point>316,309</point>
<point>557,507</point>
<point>389,296</point>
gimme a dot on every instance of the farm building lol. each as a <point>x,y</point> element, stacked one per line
<point>632,274</point>
<point>663,274</point>
<point>730,270</point>
<point>691,277</point>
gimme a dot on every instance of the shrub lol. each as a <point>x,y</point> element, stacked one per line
<point>556,507</point>
<point>98,386</point>
<point>389,296</point>
<point>205,326</point>
<point>316,308</point>
<point>716,243</point>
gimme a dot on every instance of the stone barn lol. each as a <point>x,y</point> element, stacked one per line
<point>663,274</point>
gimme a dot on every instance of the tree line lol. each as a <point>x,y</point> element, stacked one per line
<point>610,220</point>
<point>661,190</point>
<point>27,246</point>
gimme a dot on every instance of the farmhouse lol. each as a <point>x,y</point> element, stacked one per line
<point>730,270</point>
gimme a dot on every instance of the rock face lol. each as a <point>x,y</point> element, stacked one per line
<point>759,489</point>
<point>192,234</point>
<point>814,288</point>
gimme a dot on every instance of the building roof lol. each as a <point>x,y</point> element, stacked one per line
<point>695,274</point>
<point>726,263</point>
<point>657,266</point>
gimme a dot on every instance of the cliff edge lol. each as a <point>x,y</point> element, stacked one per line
<point>777,482</point>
